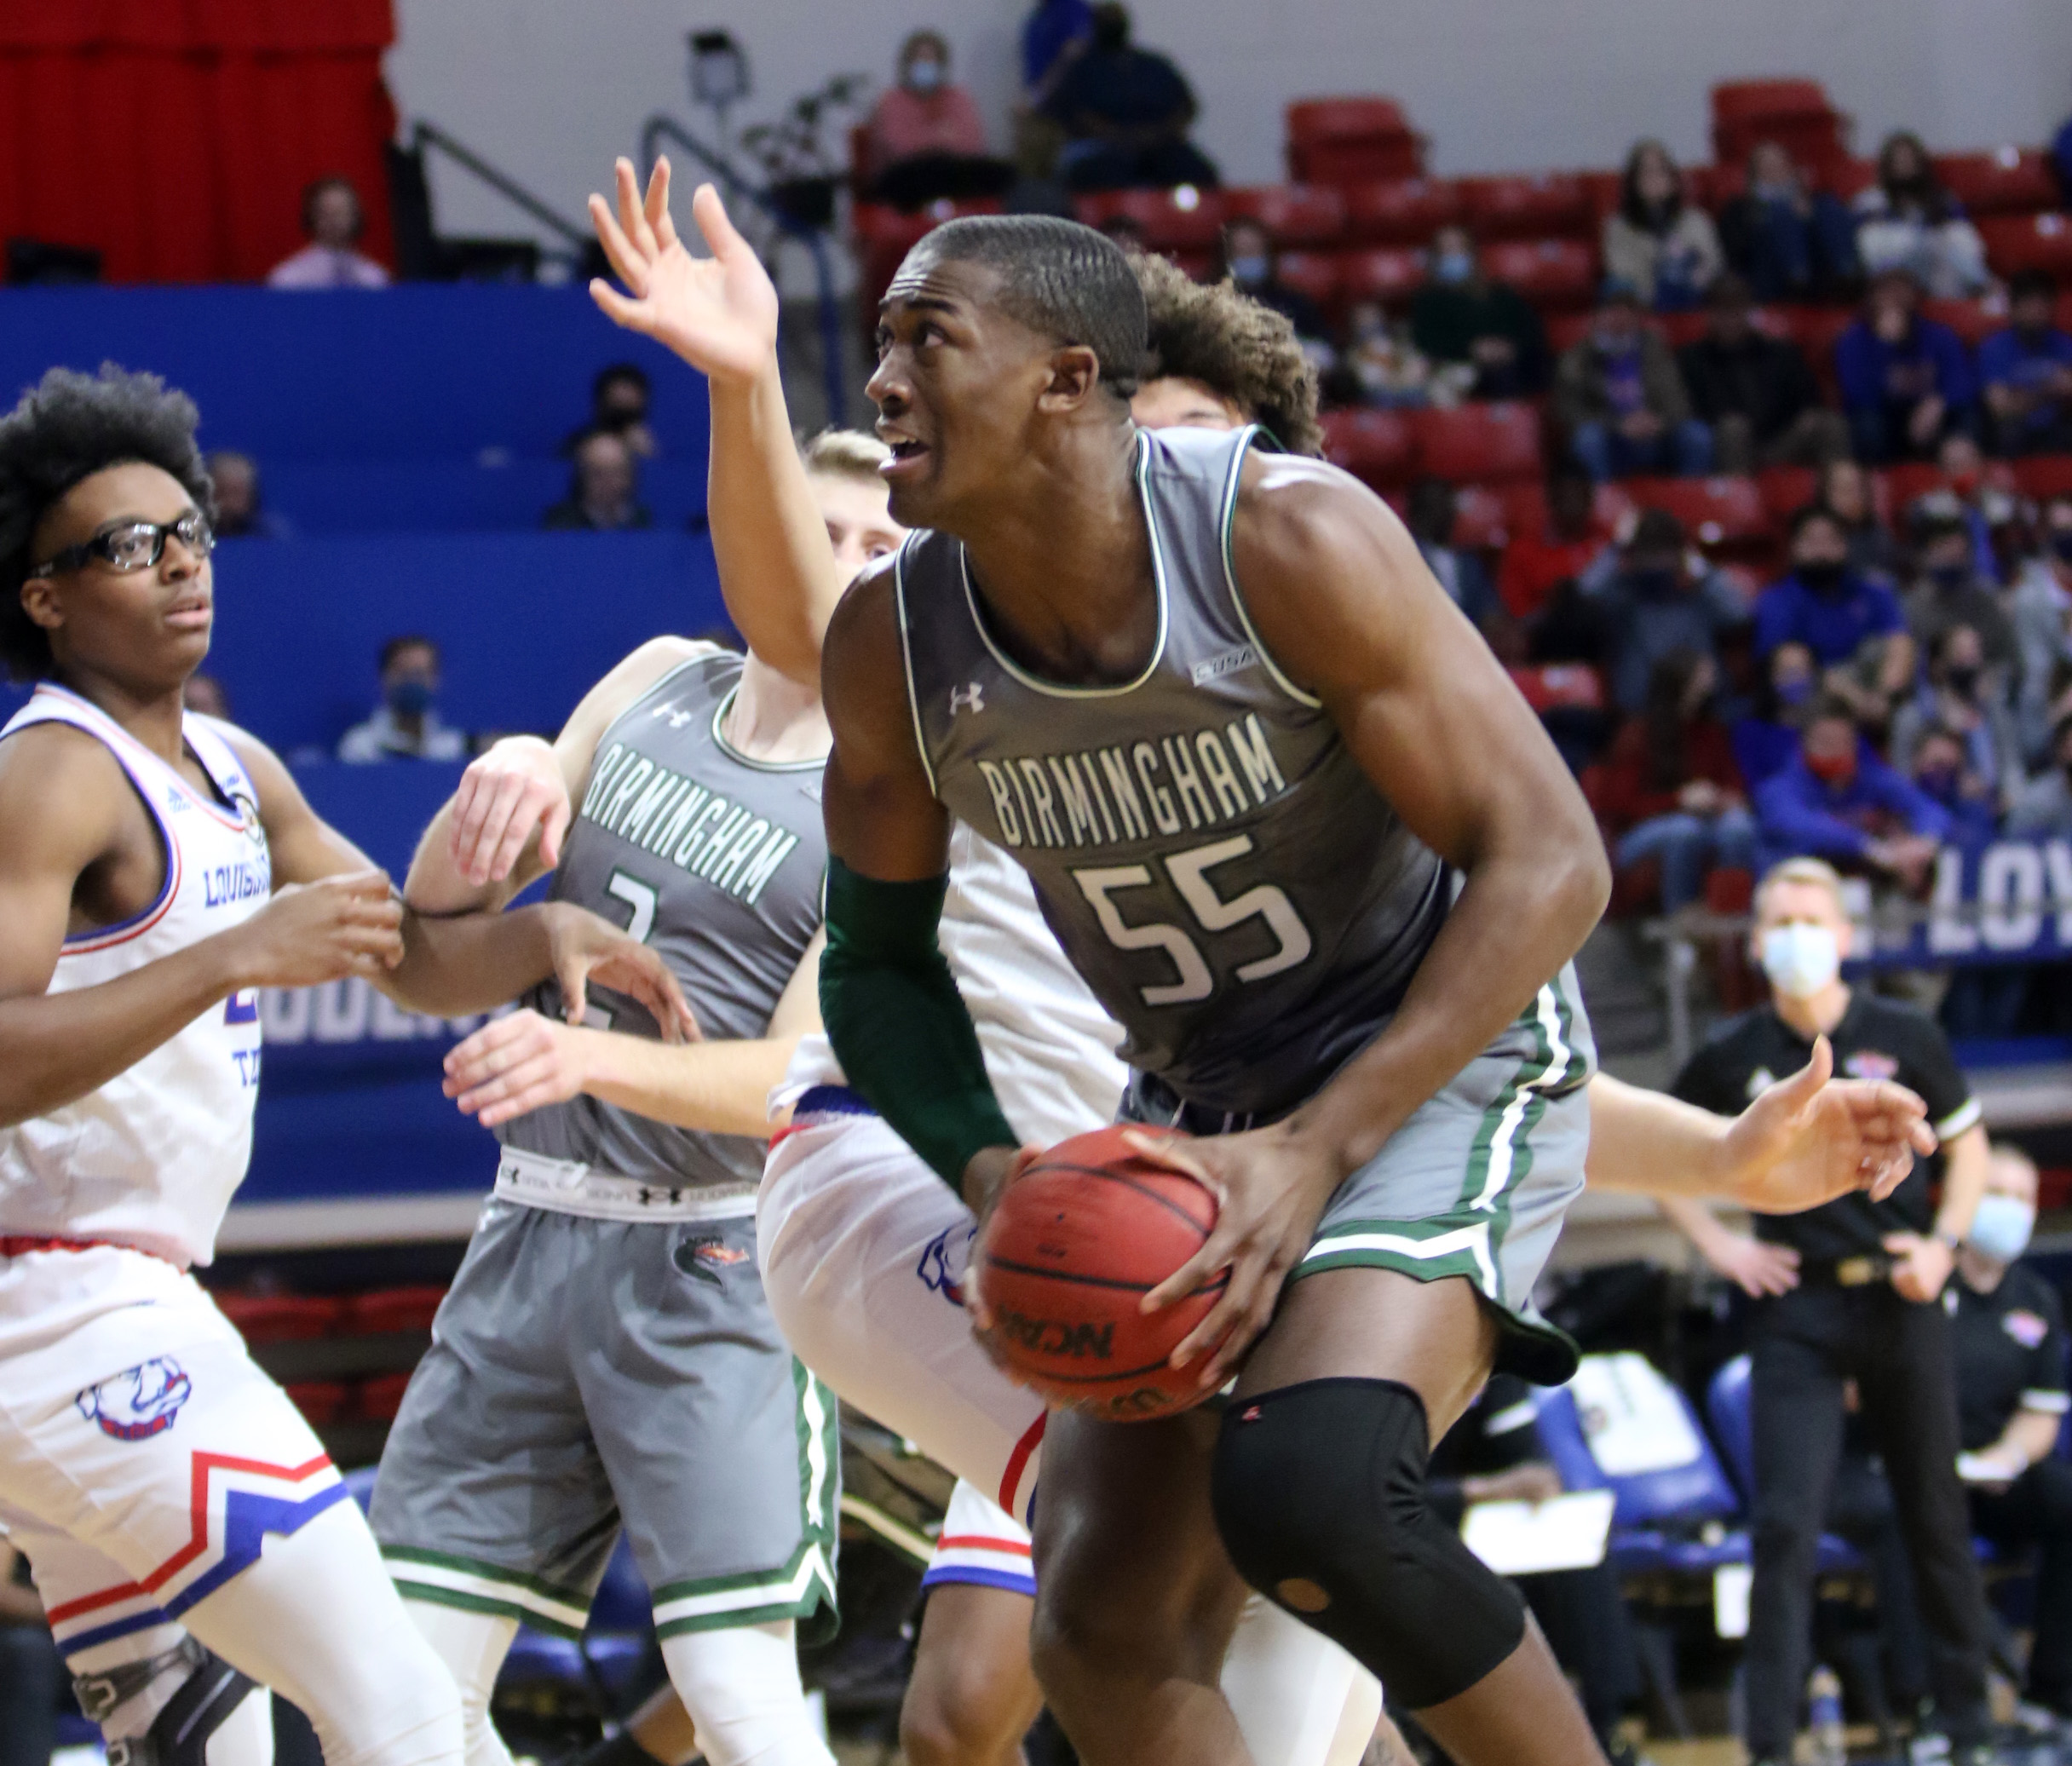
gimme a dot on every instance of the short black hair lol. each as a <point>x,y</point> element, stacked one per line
<point>1067,281</point>
<point>612,373</point>
<point>1831,708</point>
<point>316,187</point>
<point>409,640</point>
<point>1658,531</point>
<point>2032,283</point>
<point>1807,514</point>
<point>66,428</point>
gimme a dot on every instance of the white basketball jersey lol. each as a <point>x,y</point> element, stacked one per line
<point>1049,1049</point>
<point>150,1158</point>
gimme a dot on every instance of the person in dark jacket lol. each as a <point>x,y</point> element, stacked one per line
<point>2026,371</point>
<point>1125,112</point>
<point>1907,381</point>
<point>1756,391</point>
<point>1619,395</point>
<point>1792,243</point>
<point>1460,315</point>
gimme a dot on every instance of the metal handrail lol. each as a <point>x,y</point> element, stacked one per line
<point>430,135</point>
<point>660,127</point>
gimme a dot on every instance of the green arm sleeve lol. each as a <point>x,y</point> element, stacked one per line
<point>898,1024</point>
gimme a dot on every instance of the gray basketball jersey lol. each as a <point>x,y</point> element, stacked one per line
<point>1218,868</point>
<point>716,861</point>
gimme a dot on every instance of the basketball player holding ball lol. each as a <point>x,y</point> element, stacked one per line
<point>864,1248</point>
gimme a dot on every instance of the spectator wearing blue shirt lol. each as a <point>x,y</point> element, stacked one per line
<point>1766,740</point>
<point>1964,699</point>
<point>1053,30</point>
<point>1791,243</point>
<point>2026,373</point>
<point>1655,595</point>
<point>1837,801</point>
<point>1125,112</point>
<point>1942,772</point>
<point>1907,381</point>
<point>1852,624</point>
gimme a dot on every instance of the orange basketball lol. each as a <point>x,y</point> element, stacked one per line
<point>1074,1246</point>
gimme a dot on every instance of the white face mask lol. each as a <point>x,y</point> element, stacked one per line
<point>1800,959</point>
<point>2001,1227</point>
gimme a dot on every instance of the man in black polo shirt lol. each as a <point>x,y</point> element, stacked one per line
<point>2007,1333</point>
<point>1859,1280</point>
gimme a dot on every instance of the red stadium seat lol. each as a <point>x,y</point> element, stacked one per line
<point>1376,447</point>
<point>1726,516</point>
<point>1525,507</point>
<point>2008,181</point>
<point>1814,328</point>
<point>1390,274</point>
<point>1296,214</point>
<point>1184,220</point>
<point>1567,329</point>
<point>1551,206</point>
<point>1681,328</point>
<point>1908,481</point>
<point>1403,211</point>
<point>1351,141</point>
<point>1490,444</point>
<point>1549,273</point>
<point>884,236</point>
<point>2043,475</point>
<point>1785,490</point>
<point>1735,100</point>
<point>2029,242</point>
<point>1971,320</point>
<point>1602,191</point>
<point>1796,113</point>
<point>1314,274</point>
<point>1481,519</point>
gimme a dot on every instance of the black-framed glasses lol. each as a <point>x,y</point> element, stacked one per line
<point>134,546</point>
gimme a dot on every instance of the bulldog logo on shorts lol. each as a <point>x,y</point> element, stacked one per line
<point>943,1264</point>
<point>140,1402</point>
<point>706,1257</point>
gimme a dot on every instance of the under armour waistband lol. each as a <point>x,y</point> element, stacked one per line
<point>567,1186</point>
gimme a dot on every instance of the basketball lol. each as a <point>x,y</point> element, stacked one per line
<point>1074,1246</point>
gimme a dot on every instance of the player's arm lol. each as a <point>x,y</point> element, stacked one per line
<point>453,967</point>
<point>63,804</point>
<point>525,1061</point>
<point>1343,603</point>
<point>897,1022</point>
<point>777,570</point>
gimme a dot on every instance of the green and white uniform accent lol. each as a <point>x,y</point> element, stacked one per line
<point>607,1357</point>
<point>1228,881</point>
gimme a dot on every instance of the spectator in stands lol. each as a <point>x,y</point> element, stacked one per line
<point>1250,260</point>
<point>1380,366</point>
<point>603,488</point>
<point>1845,493</point>
<point>2043,810</point>
<point>1569,544</point>
<point>241,513</point>
<point>1766,740</point>
<point>1792,243</point>
<point>1908,221</point>
<point>1460,317</point>
<point>2025,372</point>
<point>1125,112</point>
<point>925,140</point>
<point>1669,790</point>
<point>1852,624</point>
<point>1948,590</point>
<point>332,217</point>
<point>205,693</point>
<point>2038,604</point>
<point>620,397</point>
<point>1619,395</point>
<point>406,724</point>
<point>1837,801</point>
<point>1430,517</point>
<point>1907,381</point>
<point>1756,391</point>
<point>1656,595</point>
<point>1966,496</point>
<point>1963,698</point>
<point>32,1675</point>
<point>2007,1338</point>
<point>1054,32</point>
<point>1663,247</point>
<point>1940,771</point>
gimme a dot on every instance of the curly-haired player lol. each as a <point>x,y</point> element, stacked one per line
<point>187,1534</point>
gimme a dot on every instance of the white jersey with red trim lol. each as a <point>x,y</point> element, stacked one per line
<point>150,1158</point>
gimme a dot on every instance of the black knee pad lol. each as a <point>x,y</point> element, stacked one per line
<point>204,1704</point>
<point>1319,1491</point>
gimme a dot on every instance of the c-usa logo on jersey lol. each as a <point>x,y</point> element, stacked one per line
<point>139,1402</point>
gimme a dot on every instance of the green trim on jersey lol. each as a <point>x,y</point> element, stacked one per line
<point>472,1585</point>
<point>1237,596</point>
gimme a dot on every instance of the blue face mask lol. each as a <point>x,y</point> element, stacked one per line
<point>1451,266</point>
<point>924,76</point>
<point>1250,270</point>
<point>1795,692</point>
<point>409,697</point>
<point>2001,1228</point>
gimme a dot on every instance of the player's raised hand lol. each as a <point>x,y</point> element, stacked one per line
<point>313,933</point>
<point>510,791</point>
<point>1811,1137</point>
<point>586,948</point>
<point>1270,1191</point>
<point>513,1064</point>
<point>718,313</point>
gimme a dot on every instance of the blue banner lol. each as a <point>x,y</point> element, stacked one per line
<point>2007,902</point>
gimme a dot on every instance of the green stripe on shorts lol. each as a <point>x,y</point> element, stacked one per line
<point>473,1586</point>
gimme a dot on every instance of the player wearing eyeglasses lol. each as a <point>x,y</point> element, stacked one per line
<point>187,1534</point>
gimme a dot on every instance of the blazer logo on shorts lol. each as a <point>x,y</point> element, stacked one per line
<point>1869,1064</point>
<point>706,1257</point>
<point>140,1402</point>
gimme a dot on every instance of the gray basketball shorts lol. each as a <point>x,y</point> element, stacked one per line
<point>586,1375</point>
<point>1475,1183</point>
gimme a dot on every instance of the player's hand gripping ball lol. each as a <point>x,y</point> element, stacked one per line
<point>1073,1245</point>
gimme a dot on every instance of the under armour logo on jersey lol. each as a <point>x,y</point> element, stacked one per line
<point>677,719</point>
<point>968,699</point>
<point>139,1402</point>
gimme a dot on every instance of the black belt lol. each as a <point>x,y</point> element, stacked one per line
<point>1865,1270</point>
